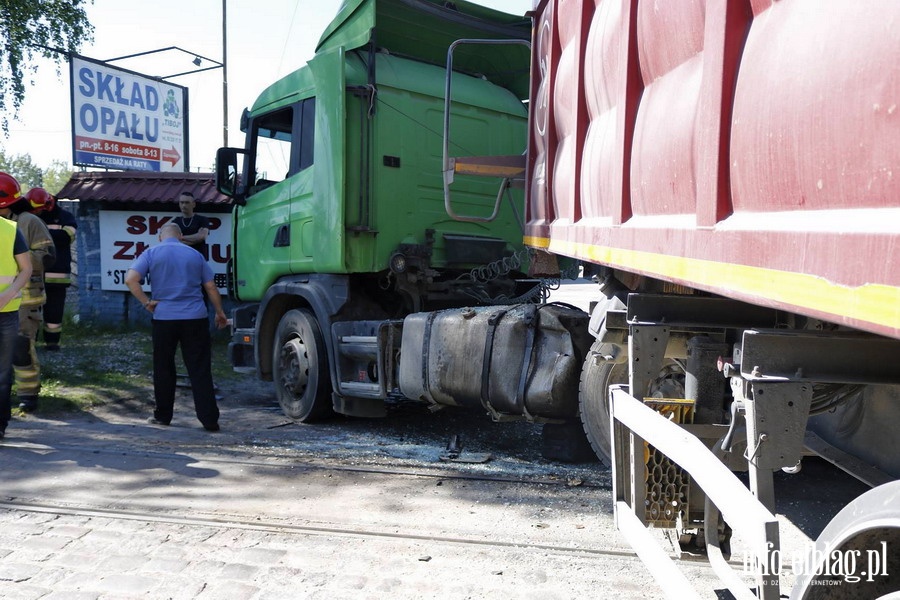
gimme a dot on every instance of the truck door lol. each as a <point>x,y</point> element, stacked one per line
<point>278,178</point>
<point>303,211</point>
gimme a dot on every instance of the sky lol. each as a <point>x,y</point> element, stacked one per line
<point>266,39</point>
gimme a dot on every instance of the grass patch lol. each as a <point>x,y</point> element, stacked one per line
<point>107,365</point>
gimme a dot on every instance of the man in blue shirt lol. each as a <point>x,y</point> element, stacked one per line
<point>177,274</point>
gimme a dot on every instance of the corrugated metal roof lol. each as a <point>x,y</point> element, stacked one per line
<point>141,186</point>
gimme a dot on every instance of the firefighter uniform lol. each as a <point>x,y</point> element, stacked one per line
<point>25,359</point>
<point>58,276</point>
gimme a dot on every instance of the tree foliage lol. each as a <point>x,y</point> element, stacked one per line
<point>56,176</point>
<point>21,167</point>
<point>30,29</point>
<point>29,175</point>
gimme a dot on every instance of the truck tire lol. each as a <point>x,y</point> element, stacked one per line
<point>867,528</point>
<point>593,394</point>
<point>300,368</point>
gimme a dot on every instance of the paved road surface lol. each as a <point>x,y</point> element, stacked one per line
<point>104,505</point>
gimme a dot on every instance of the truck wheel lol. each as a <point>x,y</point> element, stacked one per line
<point>593,394</point>
<point>300,368</point>
<point>867,527</point>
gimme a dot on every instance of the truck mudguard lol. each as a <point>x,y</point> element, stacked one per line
<point>324,294</point>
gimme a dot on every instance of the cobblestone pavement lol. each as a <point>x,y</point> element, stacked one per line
<point>78,556</point>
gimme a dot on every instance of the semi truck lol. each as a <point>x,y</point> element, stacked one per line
<point>722,168</point>
<point>357,286</point>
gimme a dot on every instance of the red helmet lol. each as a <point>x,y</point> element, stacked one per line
<point>40,200</point>
<point>10,191</point>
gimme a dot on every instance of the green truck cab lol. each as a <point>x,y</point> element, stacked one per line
<point>340,229</point>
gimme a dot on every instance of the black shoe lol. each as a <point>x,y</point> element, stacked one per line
<point>28,403</point>
<point>213,427</point>
<point>52,347</point>
<point>155,421</point>
<point>2,433</point>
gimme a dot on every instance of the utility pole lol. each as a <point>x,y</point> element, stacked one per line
<point>224,74</point>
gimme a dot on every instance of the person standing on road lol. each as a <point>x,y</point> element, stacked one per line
<point>58,277</point>
<point>177,274</point>
<point>194,227</point>
<point>15,271</point>
<point>17,208</point>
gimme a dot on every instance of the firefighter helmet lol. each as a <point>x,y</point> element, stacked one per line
<point>10,191</point>
<point>40,200</point>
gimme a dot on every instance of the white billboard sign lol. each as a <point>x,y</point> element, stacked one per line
<point>124,120</point>
<point>125,234</point>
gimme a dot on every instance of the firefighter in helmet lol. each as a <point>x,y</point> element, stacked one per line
<point>58,276</point>
<point>15,207</point>
<point>15,271</point>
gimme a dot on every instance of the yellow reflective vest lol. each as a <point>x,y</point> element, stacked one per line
<point>9,268</point>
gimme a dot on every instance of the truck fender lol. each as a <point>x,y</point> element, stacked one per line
<point>598,326</point>
<point>324,295</point>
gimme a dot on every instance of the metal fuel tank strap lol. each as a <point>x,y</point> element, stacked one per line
<point>493,322</point>
<point>530,321</point>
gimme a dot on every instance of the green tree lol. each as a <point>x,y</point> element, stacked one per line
<point>56,176</point>
<point>30,29</point>
<point>21,167</point>
<point>29,175</point>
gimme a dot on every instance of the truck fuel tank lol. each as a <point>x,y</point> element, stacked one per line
<point>520,360</point>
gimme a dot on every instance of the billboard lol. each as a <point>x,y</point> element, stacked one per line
<point>125,120</point>
<point>125,234</point>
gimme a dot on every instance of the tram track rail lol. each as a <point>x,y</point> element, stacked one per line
<point>269,526</point>
<point>214,455</point>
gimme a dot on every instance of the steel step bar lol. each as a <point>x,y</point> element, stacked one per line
<point>632,424</point>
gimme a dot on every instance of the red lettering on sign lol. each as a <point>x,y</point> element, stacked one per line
<point>123,252</point>
<point>156,224</point>
<point>129,250</point>
<point>136,225</point>
<point>217,256</point>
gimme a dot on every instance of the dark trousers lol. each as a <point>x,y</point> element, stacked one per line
<point>54,309</point>
<point>9,332</point>
<point>196,351</point>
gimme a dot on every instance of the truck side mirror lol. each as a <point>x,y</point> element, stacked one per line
<point>228,178</point>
